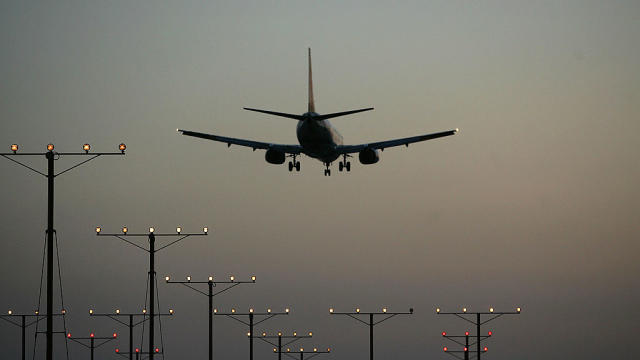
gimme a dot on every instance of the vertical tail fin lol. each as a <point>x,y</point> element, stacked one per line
<point>312,107</point>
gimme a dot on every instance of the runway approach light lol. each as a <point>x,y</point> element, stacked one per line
<point>331,311</point>
<point>171,311</point>
<point>178,229</point>
<point>117,311</point>
<point>144,311</point>
<point>269,311</point>
<point>464,309</point>
<point>210,278</point>
<point>124,229</point>
<point>490,309</point>
<point>295,333</point>
<point>122,147</point>
<point>10,312</point>
<point>86,148</point>
<point>232,278</point>
<point>438,310</point>
<point>151,230</point>
<point>50,147</point>
<point>357,310</point>
<point>518,309</point>
<point>286,310</point>
<point>205,230</point>
<point>253,278</point>
<point>14,148</point>
<point>166,278</point>
<point>466,333</point>
<point>188,278</point>
<point>98,229</point>
<point>384,310</point>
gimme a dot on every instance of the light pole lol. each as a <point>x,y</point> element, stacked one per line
<point>464,315</point>
<point>466,345</point>
<point>23,324</point>
<point>251,314</point>
<point>51,156</point>
<point>231,283</point>
<point>152,270</point>
<point>311,352</point>
<point>280,336</point>
<point>386,315</point>
<point>92,341</point>
<point>131,324</point>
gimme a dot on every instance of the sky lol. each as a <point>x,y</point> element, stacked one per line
<point>533,204</point>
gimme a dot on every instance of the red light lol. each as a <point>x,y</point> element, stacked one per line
<point>444,348</point>
<point>157,350</point>
<point>485,348</point>
<point>69,335</point>
<point>465,349</point>
<point>91,335</point>
<point>115,335</point>
<point>117,350</point>
<point>137,350</point>
<point>490,333</point>
<point>444,333</point>
<point>466,333</point>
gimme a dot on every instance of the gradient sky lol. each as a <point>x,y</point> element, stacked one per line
<point>533,204</point>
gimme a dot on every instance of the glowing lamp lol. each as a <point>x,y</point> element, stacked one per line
<point>251,311</point>
<point>124,229</point>
<point>50,147</point>
<point>490,333</point>
<point>357,310</point>
<point>295,333</point>
<point>310,333</point>
<point>151,230</point>
<point>178,229</point>
<point>167,278</point>
<point>233,310</point>
<point>9,312</point>
<point>137,350</point>
<point>122,147</point>
<point>301,349</point>
<point>14,148</point>
<point>438,310</point>
<point>444,348</point>
<point>157,350</point>
<point>37,312</point>
<point>328,349</point>
<point>466,333</point>
<point>253,278</point>
<point>118,351</point>
<point>486,349</point>
<point>64,311</point>
<point>315,349</point>
<point>465,349</point>
<point>171,311</point>
<point>91,335</point>
<point>279,334</point>
<point>286,310</point>
<point>490,309</point>
<point>144,311</point>
<point>86,148</point>
<point>117,311</point>
<point>444,333</point>
<point>269,311</point>
<point>210,278</point>
<point>232,278</point>
<point>518,309</point>
<point>115,335</point>
<point>215,310</point>
<point>384,310</point>
<point>264,334</point>
<point>205,230</point>
<point>98,229</point>
<point>275,350</point>
<point>188,278</point>
<point>331,310</point>
<point>69,335</point>
<point>464,309</point>
<point>90,311</point>
<point>248,334</point>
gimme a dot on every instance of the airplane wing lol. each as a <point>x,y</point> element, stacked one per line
<point>289,149</point>
<point>347,149</point>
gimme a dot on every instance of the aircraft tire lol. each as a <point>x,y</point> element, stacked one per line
<point>297,166</point>
<point>348,166</point>
<point>340,166</point>
<point>290,166</point>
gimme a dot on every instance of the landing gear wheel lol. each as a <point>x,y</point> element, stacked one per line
<point>348,166</point>
<point>340,166</point>
<point>297,166</point>
<point>290,166</point>
<point>327,172</point>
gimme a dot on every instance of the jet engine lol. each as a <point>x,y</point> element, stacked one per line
<point>369,156</point>
<point>274,156</point>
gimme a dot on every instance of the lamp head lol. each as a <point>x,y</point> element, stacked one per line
<point>14,148</point>
<point>122,147</point>
<point>86,148</point>
<point>50,147</point>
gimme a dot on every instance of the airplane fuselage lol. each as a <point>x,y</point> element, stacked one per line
<point>318,138</point>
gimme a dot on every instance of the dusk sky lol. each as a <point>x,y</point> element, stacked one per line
<point>534,203</point>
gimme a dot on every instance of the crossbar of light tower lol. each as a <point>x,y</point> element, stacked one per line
<point>279,335</point>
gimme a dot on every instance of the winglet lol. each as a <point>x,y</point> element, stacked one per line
<point>312,107</point>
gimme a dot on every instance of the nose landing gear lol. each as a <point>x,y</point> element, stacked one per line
<point>327,171</point>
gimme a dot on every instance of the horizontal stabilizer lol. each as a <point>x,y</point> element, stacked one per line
<point>290,116</point>
<point>329,116</point>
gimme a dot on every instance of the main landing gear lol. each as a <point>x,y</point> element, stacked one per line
<point>294,164</point>
<point>344,164</point>
<point>327,171</point>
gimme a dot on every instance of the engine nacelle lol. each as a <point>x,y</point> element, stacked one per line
<point>369,156</point>
<point>274,156</point>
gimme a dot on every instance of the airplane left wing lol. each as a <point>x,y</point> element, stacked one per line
<point>381,145</point>
<point>289,149</point>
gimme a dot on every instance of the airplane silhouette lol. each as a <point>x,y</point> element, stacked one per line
<point>318,139</point>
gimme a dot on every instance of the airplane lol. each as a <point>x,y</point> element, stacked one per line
<point>318,139</point>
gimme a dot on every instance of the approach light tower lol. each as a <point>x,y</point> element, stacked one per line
<point>464,315</point>
<point>51,157</point>
<point>278,347</point>
<point>386,315</point>
<point>180,235</point>
<point>228,285</point>
<point>251,315</point>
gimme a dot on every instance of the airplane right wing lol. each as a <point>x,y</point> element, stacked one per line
<point>289,149</point>
<point>381,145</point>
